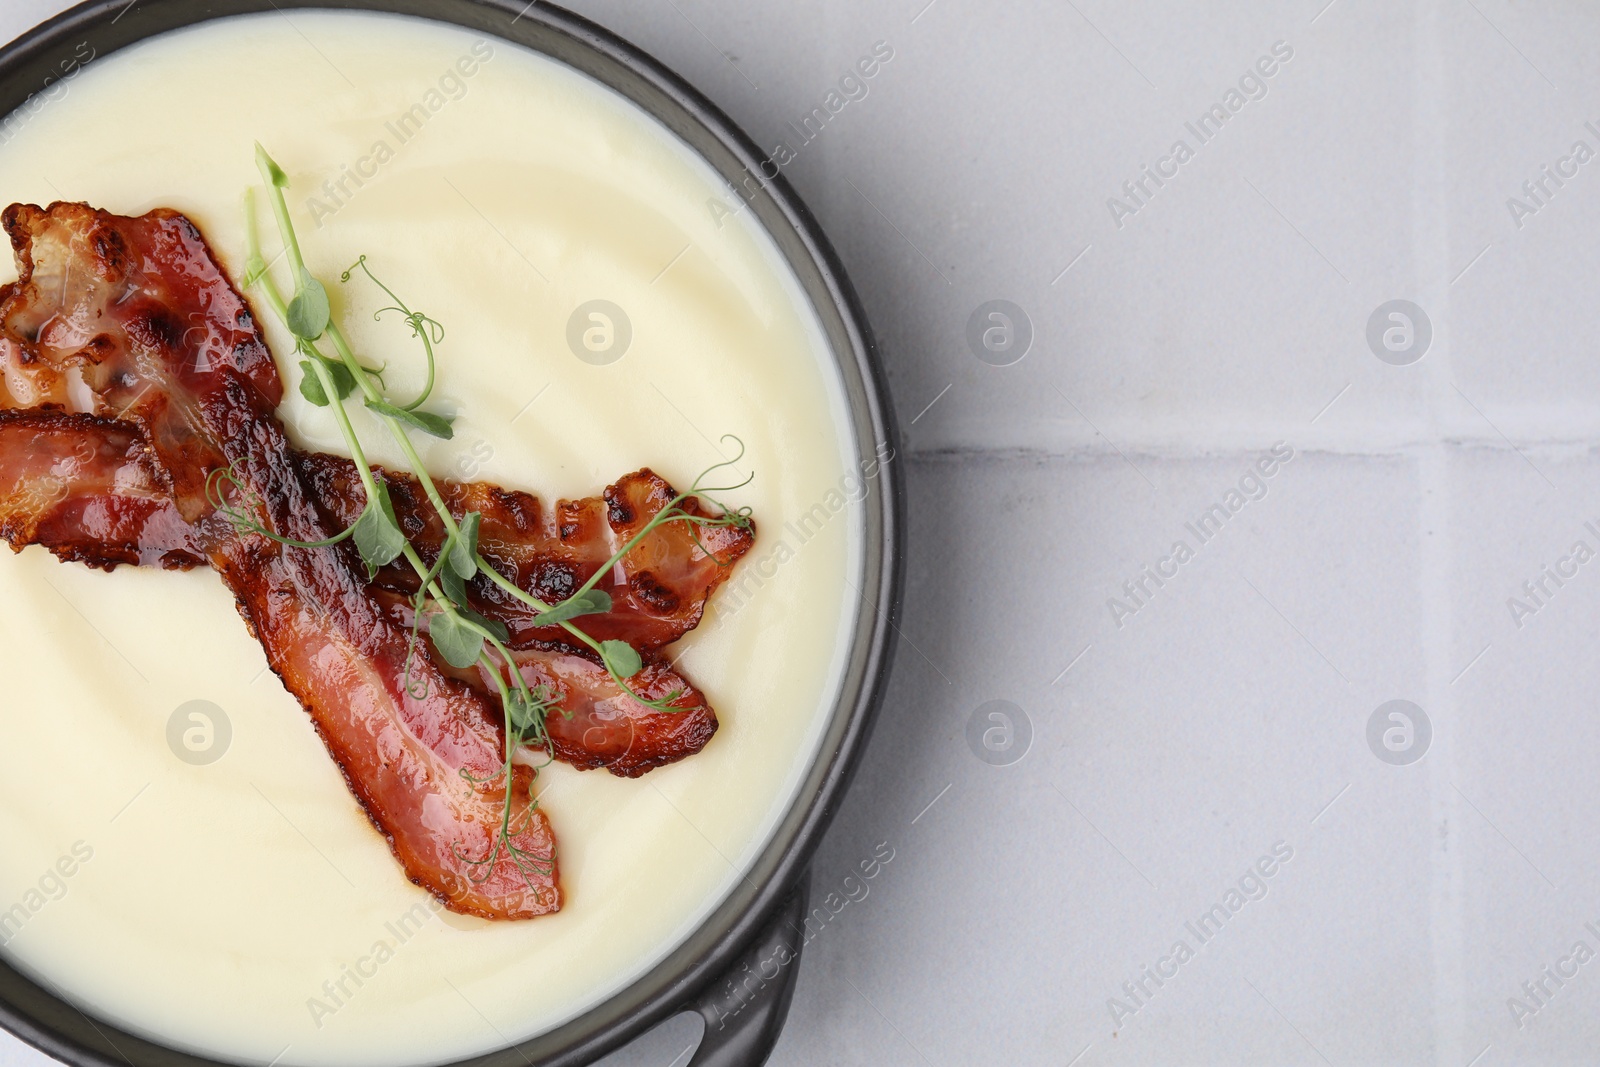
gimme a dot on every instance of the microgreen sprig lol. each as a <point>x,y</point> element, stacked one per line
<point>461,637</point>
<point>425,328</point>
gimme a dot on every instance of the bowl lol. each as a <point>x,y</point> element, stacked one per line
<point>738,967</point>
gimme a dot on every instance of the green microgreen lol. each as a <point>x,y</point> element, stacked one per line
<point>309,311</point>
<point>462,552</point>
<point>424,327</point>
<point>377,532</point>
<point>270,169</point>
<point>456,639</point>
<point>460,636</point>
<point>622,659</point>
<point>426,421</point>
<point>311,385</point>
<point>588,602</point>
<point>241,518</point>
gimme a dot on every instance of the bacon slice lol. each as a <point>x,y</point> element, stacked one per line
<point>598,725</point>
<point>595,724</point>
<point>134,318</point>
<point>658,590</point>
<point>107,507</point>
<point>85,488</point>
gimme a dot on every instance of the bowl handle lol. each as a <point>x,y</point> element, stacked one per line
<point>746,1006</point>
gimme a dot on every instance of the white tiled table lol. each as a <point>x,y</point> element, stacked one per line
<point>1229,712</point>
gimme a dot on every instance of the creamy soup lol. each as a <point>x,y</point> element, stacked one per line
<point>243,906</point>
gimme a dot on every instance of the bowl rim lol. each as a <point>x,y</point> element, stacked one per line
<point>49,1021</point>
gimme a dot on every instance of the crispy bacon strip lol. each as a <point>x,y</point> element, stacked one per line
<point>85,488</point>
<point>599,725</point>
<point>133,317</point>
<point>658,590</point>
<point>595,723</point>
<point>107,507</point>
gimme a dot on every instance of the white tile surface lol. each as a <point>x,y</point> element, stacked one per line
<point>1229,712</point>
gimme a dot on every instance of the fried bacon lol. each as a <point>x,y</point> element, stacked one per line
<point>596,724</point>
<point>84,487</point>
<point>130,370</point>
<point>134,318</point>
<point>94,497</point>
<point>599,725</point>
<point>658,590</point>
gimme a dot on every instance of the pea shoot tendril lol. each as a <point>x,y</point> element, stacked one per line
<point>459,635</point>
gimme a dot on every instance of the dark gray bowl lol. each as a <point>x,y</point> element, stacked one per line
<point>738,969</point>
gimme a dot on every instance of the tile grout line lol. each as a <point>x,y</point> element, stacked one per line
<point>1430,237</point>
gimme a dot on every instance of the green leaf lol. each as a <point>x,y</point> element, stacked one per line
<point>526,715</point>
<point>457,642</point>
<point>309,311</point>
<point>463,559</point>
<point>377,533</point>
<point>621,658</point>
<point>311,385</point>
<point>591,602</point>
<point>254,268</point>
<point>455,587</point>
<point>519,712</point>
<point>270,166</point>
<point>494,626</point>
<point>426,421</point>
<point>343,381</point>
